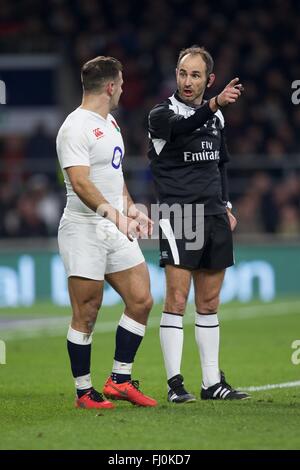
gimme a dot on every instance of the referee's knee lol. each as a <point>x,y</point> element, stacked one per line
<point>208,306</point>
<point>176,302</point>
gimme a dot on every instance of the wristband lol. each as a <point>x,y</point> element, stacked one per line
<point>216,101</point>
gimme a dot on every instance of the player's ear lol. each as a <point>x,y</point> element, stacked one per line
<point>110,88</point>
<point>210,80</point>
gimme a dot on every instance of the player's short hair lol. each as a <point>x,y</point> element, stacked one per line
<point>194,50</point>
<point>96,72</point>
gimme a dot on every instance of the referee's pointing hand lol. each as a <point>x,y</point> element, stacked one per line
<point>231,93</point>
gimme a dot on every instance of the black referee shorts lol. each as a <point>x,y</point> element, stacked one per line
<point>216,251</point>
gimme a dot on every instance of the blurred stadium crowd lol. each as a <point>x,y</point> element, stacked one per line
<point>257,41</point>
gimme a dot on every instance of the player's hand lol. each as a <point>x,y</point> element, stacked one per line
<point>231,93</point>
<point>130,227</point>
<point>146,224</point>
<point>232,220</point>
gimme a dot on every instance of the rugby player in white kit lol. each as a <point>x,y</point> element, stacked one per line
<point>98,236</point>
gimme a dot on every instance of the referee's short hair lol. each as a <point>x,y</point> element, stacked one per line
<point>96,72</point>
<point>194,50</point>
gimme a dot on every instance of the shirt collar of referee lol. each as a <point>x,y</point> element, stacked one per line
<point>177,97</point>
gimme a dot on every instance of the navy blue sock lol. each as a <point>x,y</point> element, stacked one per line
<point>80,393</point>
<point>80,358</point>
<point>120,378</point>
<point>127,344</point>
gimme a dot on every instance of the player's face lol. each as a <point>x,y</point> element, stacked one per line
<point>117,91</point>
<point>191,78</point>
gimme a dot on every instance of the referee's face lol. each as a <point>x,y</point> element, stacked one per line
<point>191,78</point>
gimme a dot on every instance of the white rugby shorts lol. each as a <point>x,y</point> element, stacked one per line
<point>92,250</point>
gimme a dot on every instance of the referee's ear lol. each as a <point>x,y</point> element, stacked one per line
<point>210,80</point>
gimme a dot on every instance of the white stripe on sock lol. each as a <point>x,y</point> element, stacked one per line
<point>121,368</point>
<point>131,325</point>
<point>77,337</point>
<point>84,382</point>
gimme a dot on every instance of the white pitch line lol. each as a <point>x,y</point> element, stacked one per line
<point>271,386</point>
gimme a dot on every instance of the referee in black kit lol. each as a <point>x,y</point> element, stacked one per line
<point>188,157</point>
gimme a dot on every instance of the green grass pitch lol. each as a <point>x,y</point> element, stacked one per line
<point>36,387</point>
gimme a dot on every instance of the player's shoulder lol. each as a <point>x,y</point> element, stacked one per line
<point>75,121</point>
<point>78,125</point>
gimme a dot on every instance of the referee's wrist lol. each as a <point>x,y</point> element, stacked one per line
<point>228,205</point>
<point>214,104</point>
<point>216,101</point>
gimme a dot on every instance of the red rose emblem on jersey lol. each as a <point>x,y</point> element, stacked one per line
<point>98,133</point>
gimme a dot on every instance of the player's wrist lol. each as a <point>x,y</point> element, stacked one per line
<point>132,212</point>
<point>108,212</point>
<point>228,205</point>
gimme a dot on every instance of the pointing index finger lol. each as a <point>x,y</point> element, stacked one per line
<point>233,82</point>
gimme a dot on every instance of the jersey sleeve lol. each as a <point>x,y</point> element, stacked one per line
<point>165,124</point>
<point>73,148</point>
<point>161,120</point>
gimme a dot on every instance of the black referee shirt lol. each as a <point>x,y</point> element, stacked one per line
<point>188,153</point>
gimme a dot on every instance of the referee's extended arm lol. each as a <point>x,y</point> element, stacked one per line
<point>180,125</point>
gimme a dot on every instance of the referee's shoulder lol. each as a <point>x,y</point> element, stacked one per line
<point>159,110</point>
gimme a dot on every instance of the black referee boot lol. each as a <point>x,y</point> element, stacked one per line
<point>177,392</point>
<point>222,391</point>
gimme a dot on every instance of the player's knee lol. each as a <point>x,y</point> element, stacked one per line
<point>145,304</point>
<point>141,307</point>
<point>176,302</point>
<point>209,305</point>
<point>149,303</point>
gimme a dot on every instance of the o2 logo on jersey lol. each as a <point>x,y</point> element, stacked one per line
<point>117,158</point>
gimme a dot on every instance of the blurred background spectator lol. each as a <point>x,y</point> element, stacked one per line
<point>257,41</point>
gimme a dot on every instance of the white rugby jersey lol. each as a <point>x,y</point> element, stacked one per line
<point>87,139</point>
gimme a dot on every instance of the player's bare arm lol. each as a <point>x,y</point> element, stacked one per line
<point>92,197</point>
<point>145,224</point>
